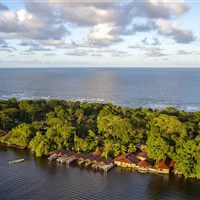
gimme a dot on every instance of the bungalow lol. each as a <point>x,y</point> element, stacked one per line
<point>105,161</point>
<point>165,166</point>
<point>61,155</point>
<point>104,164</point>
<point>61,152</point>
<point>89,160</point>
<point>143,165</point>
<point>70,153</point>
<point>81,157</point>
<point>57,151</point>
<point>95,161</point>
<point>142,155</point>
<point>126,160</point>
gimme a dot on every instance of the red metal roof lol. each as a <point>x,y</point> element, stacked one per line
<point>144,163</point>
<point>97,152</point>
<point>61,152</point>
<point>127,158</point>
<point>166,164</point>
<point>121,156</point>
<point>142,155</point>
<point>124,160</point>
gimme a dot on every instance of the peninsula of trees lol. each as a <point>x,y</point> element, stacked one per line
<point>45,125</point>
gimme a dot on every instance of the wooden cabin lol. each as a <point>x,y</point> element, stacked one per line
<point>81,157</point>
<point>126,160</point>
<point>165,166</point>
<point>61,152</point>
<point>105,164</point>
<point>89,160</point>
<point>143,165</point>
<point>142,155</point>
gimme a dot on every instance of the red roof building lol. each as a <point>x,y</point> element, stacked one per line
<point>142,155</point>
<point>144,164</point>
<point>165,166</point>
<point>61,152</point>
<point>126,160</point>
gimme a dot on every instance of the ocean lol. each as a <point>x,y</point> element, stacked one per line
<point>155,88</point>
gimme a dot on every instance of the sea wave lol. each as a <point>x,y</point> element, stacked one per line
<point>160,106</point>
<point>23,96</point>
<point>94,100</point>
<point>187,108</point>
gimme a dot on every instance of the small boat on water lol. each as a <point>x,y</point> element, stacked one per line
<point>52,157</point>
<point>16,161</point>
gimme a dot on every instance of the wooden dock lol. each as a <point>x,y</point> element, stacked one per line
<point>70,160</point>
<point>108,167</point>
<point>16,161</point>
<point>80,162</point>
<point>62,159</point>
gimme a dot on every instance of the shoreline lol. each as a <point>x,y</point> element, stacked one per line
<point>84,162</point>
<point>46,125</point>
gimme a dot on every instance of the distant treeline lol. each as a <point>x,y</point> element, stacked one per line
<point>45,125</point>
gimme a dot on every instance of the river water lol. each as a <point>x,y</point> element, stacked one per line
<point>36,178</point>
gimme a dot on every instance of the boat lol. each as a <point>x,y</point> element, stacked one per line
<point>16,161</point>
<point>52,157</point>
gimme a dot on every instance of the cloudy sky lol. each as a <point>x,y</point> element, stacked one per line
<point>61,33</point>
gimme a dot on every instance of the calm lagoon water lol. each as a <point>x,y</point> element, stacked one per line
<point>36,178</point>
<point>154,88</point>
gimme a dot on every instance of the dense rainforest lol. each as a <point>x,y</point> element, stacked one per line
<point>45,125</point>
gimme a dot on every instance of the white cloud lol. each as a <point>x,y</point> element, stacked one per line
<point>88,13</point>
<point>29,43</point>
<point>102,26</point>
<point>183,52</point>
<point>161,9</point>
<point>173,30</point>
<point>38,48</point>
<point>154,52</point>
<point>3,43</point>
<point>8,22</point>
<point>53,42</point>
<point>101,35</point>
<point>25,25</point>
<point>77,53</point>
<point>29,21</point>
<point>179,7</point>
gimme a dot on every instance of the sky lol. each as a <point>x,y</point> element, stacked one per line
<point>62,33</point>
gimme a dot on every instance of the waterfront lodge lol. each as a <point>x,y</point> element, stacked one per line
<point>138,161</point>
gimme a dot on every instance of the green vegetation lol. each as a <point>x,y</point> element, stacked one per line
<point>54,124</point>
